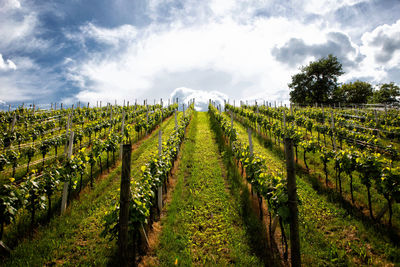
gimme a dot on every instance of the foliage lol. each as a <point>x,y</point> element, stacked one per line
<point>316,82</point>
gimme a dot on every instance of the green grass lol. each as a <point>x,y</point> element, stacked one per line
<point>203,225</point>
<point>74,239</point>
<point>329,234</point>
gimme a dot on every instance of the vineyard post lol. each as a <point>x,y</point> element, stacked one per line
<point>66,133</point>
<point>13,122</point>
<point>159,190</point>
<point>162,104</point>
<point>66,184</point>
<point>234,104</point>
<point>111,116</point>
<point>284,118</point>
<point>292,199</point>
<point>250,141</point>
<point>183,107</point>
<point>333,128</point>
<point>9,107</point>
<point>122,134</point>
<point>124,202</point>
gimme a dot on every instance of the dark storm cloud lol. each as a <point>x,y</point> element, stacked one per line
<point>338,44</point>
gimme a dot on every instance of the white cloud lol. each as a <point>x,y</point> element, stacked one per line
<point>7,5</point>
<point>325,6</point>
<point>241,51</point>
<point>201,97</point>
<point>7,65</point>
<point>114,37</point>
<point>383,44</point>
<point>381,48</point>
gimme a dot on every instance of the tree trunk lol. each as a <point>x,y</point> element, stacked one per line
<point>369,202</point>
<point>295,149</point>
<point>13,173</point>
<point>27,167</point>
<point>305,161</point>
<point>108,169</point>
<point>49,208</point>
<point>390,210</point>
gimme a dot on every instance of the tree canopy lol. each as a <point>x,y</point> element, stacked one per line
<point>357,92</point>
<point>316,82</point>
<point>386,94</point>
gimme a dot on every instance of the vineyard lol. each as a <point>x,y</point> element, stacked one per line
<point>247,185</point>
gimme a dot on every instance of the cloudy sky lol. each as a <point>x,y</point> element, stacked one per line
<point>89,50</point>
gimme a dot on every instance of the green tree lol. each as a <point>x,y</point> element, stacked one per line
<point>316,82</point>
<point>386,94</point>
<point>357,92</point>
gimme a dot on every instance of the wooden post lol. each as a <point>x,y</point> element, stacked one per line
<point>292,197</point>
<point>66,184</point>
<point>333,128</point>
<point>183,106</point>
<point>66,133</point>
<point>159,190</point>
<point>284,118</point>
<point>13,122</point>
<point>124,205</point>
<point>122,133</point>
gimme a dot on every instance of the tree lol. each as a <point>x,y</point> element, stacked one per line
<point>386,94</point>
<point>316,82</point>
<point>357,92</point>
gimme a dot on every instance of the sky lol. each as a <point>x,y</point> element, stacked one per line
<point>92,50</point>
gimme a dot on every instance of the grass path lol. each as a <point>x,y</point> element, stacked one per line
<point>74,239</point>
<point>203,226</point>
<point>329,235</point>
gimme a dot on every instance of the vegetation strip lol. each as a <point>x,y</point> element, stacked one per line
<point>75,239</point>
<point>329,235</point>
<point>203,225</point>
